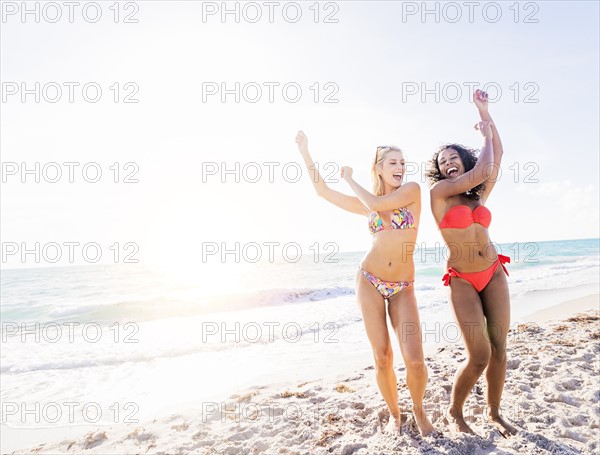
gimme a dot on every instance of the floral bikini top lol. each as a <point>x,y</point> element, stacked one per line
<point>401,219</point>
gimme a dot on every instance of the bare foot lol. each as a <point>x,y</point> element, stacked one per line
<point>393,425</point>
<point>457,423</point>
<point>505,428</point>
<point>425,426</point>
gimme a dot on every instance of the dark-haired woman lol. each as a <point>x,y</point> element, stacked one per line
<point>461,185</point>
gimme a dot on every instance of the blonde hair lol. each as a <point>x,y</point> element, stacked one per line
<point>380,154</point>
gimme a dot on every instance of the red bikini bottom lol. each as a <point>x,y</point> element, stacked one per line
<point>479,280</point>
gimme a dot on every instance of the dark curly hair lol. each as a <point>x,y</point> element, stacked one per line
<point>469,159</point>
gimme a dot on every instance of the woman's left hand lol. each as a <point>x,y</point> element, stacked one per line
<point>480,98</point>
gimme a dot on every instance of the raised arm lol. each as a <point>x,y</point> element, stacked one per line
<point>480,99</point>
<point>349,203</point>
<point>403,196</point>
<point>480,172</point>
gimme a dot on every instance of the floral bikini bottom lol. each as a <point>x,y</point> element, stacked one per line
<point>386,288</point>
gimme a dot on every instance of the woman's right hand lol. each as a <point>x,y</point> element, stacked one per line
<point>485,127</point>
<point>346,173</point>
<point>302,142</point>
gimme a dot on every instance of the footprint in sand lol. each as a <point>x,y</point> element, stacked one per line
<point>568,433</point>
<point>200,435</point>
<point>349,449</point>
<point>141,435</point>
<point>575,421</point>
<point>206,442</point>
<point>181,427</point>
<point>571,384</point>
<point>562,398</point>
<point>524,387</point>
<point>94,439</point>
<point>513,364</point>
<point>364,413</point>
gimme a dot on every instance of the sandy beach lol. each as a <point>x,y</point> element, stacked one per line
<point>552,396</point>
<point>204,206</point>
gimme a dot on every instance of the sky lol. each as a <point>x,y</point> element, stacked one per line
<point>369,74</point>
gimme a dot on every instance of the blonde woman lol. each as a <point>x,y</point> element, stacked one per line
<point>387,272</point>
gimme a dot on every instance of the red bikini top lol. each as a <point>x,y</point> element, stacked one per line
<point>461,217</point>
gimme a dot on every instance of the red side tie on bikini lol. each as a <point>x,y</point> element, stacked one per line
<point>451,272</point>
<point>503,260</point>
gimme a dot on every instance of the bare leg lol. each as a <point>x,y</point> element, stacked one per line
<point>496,306</point>
<point>468,313</point>
<point>372,306</point>
<point>404,315</point>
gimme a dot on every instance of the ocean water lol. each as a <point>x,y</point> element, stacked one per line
<point>125,343</point>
